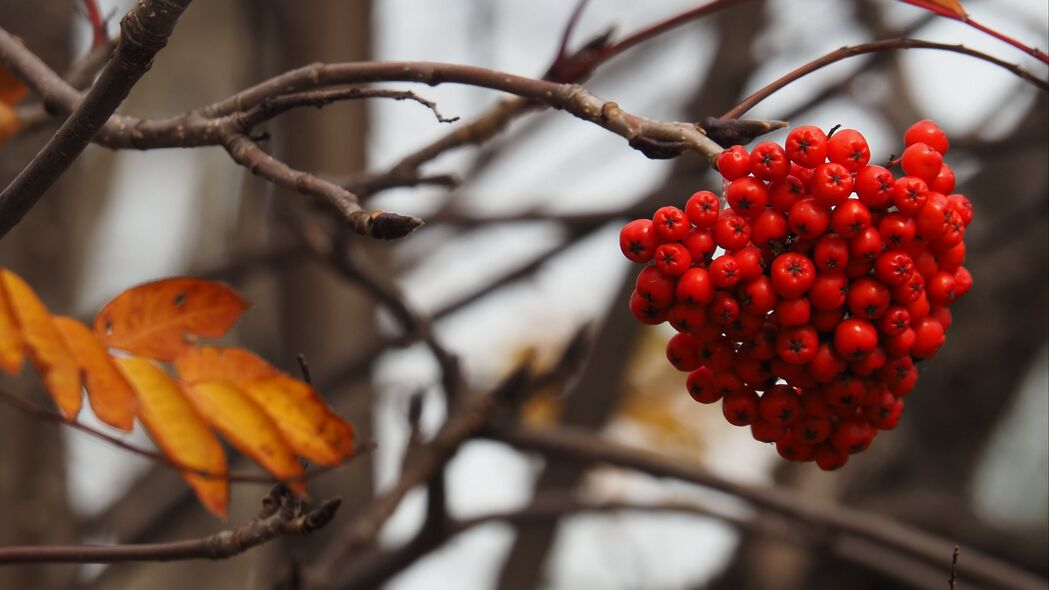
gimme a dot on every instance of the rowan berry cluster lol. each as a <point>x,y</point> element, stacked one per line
<point>804,305</point>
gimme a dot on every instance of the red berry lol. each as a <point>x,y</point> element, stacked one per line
<point>750,261</point>
<point>944,181</point>
<point>694,287</point>
<point>792,274</point>
<point>645,312</point>
<point>852,435</point>
<point>672,259</point>
<point>741,408</point>
<point>732,232</point>
<point>874,187</point>
<point>893,268</point>
<point>895,320</point>
<point>921,160</point>
<point>670,223</point>
<point>791,449</point>
<point>849,218</point>
<point>866,245</point>
<point>897,230</point>
<point>734,163</point>
<point>763,431</point>
<point>768,228</point>
<point>724,309</point>
<point>963,281</point>
<point>700,385</point>
<point>941,288</point>
<point>683,352</point>
<point>812,429</point>
<point>826,320</point>
<point>808,219</point>
<point>826,365</point>
<point>867,298</point>
<point>780,405</point>
<point>747,196</point>
<point>855,338</point>
<point>933,220</point>
<point>638,240</point>
<point>702,209</point>
<point>724,271</point>
<point>686,318</point>
<point>784,193</point>
<point>848,148</point>
<point>758,297</point>
<point>655,286</point>
<point>797,344</point>
<point>831,254</point>
<point>908,194</point>
<point>828,290</point>
<point>806,146</point>
<point>700,244</point>
<point>769,162</point>
<point>828,458</point>
<point>962,206</point>
<point>831,184</point>
<point>793,312</point>
<point>925,131</point>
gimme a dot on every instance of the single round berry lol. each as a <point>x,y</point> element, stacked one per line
<point>700,385</point>
<point>874,187</point>
<point>655,286</point>
<point>741,407</point>
<point>769,228</point>
<point>792,274</point>
<point>806,146</point>
<point>672,259</point>
<point>850,218</point>
<point>797,344</point>
<point>732,232</point>
<point>925,131</point>
<point>702,209</point>
<point>849,148</point>
<point>921,160</point>
<point>796,311</point>
<point>638,240</point>
<point>724,271</point>
<point>734,163</point>
<point>808,219</point>
<point>747,196</point>
<point>831,184</point>
<point>768,161</point>
<point>855,338</point>
<point>670,223</point>
<point>867,298</point>
<point>694,287</point>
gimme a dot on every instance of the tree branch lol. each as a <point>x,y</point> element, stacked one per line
<point>874,47</point>
<point>281,515</point>
<point>145,30</point>
<point>582,447</point>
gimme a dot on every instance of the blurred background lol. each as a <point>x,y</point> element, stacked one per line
<point>969,461</point>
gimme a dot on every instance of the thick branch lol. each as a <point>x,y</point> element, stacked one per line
<point>281,516</point>
<point>145,31</point>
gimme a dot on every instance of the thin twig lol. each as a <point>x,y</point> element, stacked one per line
<point>954,570</point>
<point>874,47</point>
<point>17,402</point>
<point>281,516</point>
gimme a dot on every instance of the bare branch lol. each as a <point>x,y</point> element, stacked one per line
<point>281,515</point>
<point>874,47</point>
<point>145,30</point>
<point>586,448</point>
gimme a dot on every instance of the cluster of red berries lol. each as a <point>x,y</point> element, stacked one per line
<point>835,279</point>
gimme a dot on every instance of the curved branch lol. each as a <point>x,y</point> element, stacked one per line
<point>874,47</point>
<point>281,516</point>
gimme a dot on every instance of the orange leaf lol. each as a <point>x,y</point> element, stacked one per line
<point>948,8</point>
<point>54,362</point>
<point>12,345</point>
<point>312,429</point>
<point>10,122</point>
<point>162,318</point>
<point>11,88</point>
<point>248,428</point>
<point>179,431</point>
<point>111,396</point>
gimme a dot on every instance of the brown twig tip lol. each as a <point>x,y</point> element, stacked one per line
<point>391,226</point>
<point>730,132</point>
<point>319,518</point>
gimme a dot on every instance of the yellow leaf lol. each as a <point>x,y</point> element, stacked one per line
<point>247,427</point>
<point>54,362</point>
<point>179,431</point>
<point>12,345</point>
<point>313,430</point>
<point>948,8</point>
<point>163,318</point>
<point>111,397</point>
